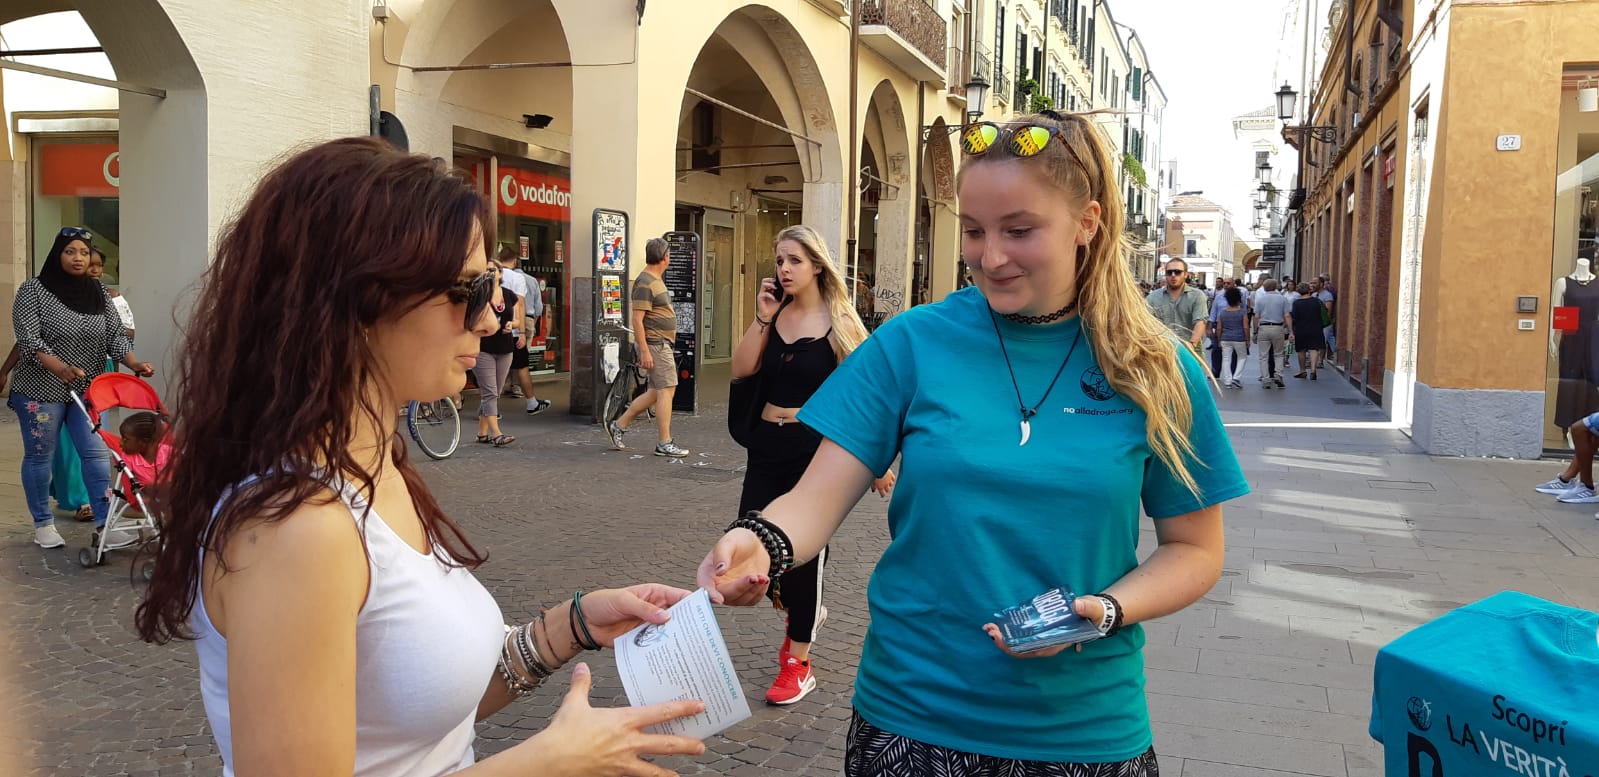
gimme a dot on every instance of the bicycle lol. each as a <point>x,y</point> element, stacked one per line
<point>629,383</point>
<point>436,426</point>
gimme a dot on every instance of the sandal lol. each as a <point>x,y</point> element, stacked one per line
<point>486,439</point>
<point>84,514</point>
<point>503,440</point>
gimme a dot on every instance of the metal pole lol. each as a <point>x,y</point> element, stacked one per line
<point>374,109</point>
<point>6,64</point>
<point>752,117</point>
<point>852,216</point>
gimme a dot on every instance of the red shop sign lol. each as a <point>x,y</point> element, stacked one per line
<point>523,192</point>
<point>79,170</point>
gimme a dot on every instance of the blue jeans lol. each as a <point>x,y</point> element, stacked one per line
<point>41,428</point>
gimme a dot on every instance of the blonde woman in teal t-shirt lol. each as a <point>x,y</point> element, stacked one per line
<point>1073,413</point>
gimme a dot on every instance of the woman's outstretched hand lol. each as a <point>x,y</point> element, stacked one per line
<point>735,571</point>
<point>612,612</point>
<point>583,741</point>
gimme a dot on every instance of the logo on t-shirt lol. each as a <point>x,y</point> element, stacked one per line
<point>1095,386</point>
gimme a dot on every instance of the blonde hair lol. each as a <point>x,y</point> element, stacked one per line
<point>848,330</point>
<point>1135,351</point>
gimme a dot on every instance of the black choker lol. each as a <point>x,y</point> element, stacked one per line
<point>1048,318</point>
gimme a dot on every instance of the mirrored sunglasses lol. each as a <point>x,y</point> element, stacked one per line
<point>1026,140</point>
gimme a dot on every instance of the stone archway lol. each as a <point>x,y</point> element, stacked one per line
<point>889,138</point>
<point>938,192</point>
<point>167,211</point>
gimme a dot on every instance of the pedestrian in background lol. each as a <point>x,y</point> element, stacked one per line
<point>1575,485</point>
<point>66,327</point>
<point>493,362</point>
<point>654,331</point>
<point>529,305</point>
<point>1113,417</point>
<point>338,625</point>
<point>1181,307</point>
<point>1232,330</point>
<point>1304,330</point>
<point>802,330</point>
<point>1271,334</point>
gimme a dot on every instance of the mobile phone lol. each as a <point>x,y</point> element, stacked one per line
<point>778,291</point>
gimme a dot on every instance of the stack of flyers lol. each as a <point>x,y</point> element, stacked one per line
<point>1045,622</point>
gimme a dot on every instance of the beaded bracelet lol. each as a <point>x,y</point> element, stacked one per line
<point>1112,622</point>
<point>778,547</point>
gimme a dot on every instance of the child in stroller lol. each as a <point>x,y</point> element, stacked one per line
<point>145,446</point>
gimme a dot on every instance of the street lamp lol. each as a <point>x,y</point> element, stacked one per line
<point>1263,172</point>
<point>1286,100</point>
<point>976,93</point>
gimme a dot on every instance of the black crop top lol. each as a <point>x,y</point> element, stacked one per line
<point>794,371</point>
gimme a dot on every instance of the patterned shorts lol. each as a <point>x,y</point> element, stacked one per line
<point>873,752</point>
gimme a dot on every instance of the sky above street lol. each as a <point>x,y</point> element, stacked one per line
<point>1215,60</point>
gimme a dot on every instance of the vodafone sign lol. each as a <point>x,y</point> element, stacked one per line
<point>80,170</point>
<point>527,193</point>
<point>521,192</point>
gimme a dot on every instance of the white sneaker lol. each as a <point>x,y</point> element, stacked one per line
<point>1579,495</point>
<point>1555,487</point>
<point>47,537</point>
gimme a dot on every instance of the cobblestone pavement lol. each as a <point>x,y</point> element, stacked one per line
<point>1350,538</point>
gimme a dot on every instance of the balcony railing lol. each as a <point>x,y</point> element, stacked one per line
<point>917,21</point>
<point>1001,86</point>
<point>956,71</point>
<point>981,61</point>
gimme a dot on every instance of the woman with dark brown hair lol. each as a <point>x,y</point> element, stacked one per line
<point>338,625</point>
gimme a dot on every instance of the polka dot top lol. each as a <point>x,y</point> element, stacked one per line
<point>46,325</point>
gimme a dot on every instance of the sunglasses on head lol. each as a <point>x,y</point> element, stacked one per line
<point>475,295</point>
<point>77,233</point>
<point>1025,140</point>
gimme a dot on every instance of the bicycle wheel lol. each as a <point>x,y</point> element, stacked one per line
<point>436,427</point>
<point>617,397</point>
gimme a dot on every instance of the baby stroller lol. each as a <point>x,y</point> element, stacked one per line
<point>114,391</point>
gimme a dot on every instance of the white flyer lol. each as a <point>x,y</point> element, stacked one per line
<point>684,659</point>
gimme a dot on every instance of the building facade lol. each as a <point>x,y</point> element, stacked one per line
<point>1449,202</point>
<point>732,122</point>
<point>1202,234</point>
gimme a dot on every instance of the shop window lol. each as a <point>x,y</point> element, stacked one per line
<point>77,183</point>
<point>1572,369</point>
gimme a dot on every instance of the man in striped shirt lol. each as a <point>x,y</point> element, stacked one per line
<point>654,330</point>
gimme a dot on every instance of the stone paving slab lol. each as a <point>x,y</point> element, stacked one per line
<point>1268,675</point>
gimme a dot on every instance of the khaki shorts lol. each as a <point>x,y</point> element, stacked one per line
<point>664,376</point>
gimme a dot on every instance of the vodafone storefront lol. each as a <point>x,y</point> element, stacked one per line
<point>76,183</point>
<point>533,210</point>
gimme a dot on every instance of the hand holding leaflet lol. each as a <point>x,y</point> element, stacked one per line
<point>683,659</point>
<point>1048,621</point>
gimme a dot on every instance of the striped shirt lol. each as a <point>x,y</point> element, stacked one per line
<point>45,325</point>
<point>652,297</point>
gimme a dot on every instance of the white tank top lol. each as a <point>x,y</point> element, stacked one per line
<point>427,643</point>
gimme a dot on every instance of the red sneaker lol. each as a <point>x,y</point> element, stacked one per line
<point>793,682</point>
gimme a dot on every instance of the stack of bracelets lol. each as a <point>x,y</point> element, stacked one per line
<point>522,664</point>
<point>778,547</point>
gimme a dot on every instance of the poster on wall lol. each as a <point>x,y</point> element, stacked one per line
<point>682,281</point>
<point>611,335</point>
<point>611,297</point>
<point>610,241</point>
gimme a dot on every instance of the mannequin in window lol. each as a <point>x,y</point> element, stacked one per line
<point>1577,352</point>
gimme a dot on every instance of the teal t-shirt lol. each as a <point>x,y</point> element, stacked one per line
<point>979,522</point>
